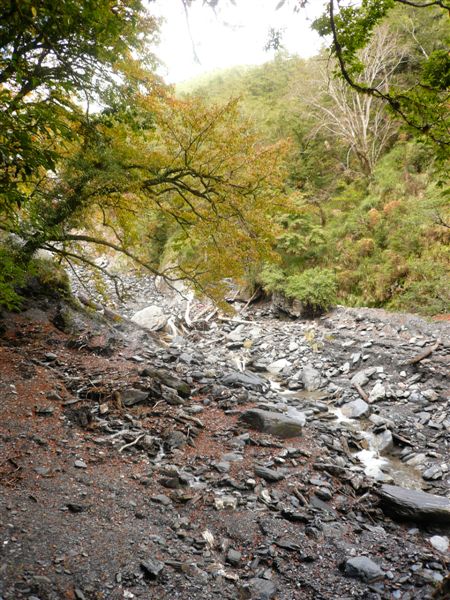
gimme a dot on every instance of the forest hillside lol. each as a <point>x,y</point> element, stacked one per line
<point>368,218</point>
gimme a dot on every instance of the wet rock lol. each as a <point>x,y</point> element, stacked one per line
<point>311,378</point>
<point>247,380</point>
<point>362,567</point>
<point>152,317</point>
<point>357,408</point>
<point>383,442</point>
<point>415,505</point>
<point>271,422</point>
<point>271,475</point>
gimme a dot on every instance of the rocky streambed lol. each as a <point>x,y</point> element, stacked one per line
<point>242,457</point>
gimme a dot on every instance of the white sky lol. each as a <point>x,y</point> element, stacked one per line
<point>241,42</point>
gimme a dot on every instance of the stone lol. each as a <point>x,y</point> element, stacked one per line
<point>132,396</point>
<point>378,392</point>
<point>80,464</point>
<point>152,568</point>
<point>414,505</point>
<point>271,422</point>
<point>259,589</point>
<point>311,378</point>
<point>277,366</point>
<point>440,543</point>
<point>168,380</point>
<point>362,567</point>
<point>151,317</point>
<point>357,408</point>
<point>382,442</point>
<point>247,380</point>
<point>271,475</point>
<point>234,557</point>
<point>221,502</point>
<point>434,472</point>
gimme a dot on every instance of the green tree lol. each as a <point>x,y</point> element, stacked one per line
<point>53,57</point>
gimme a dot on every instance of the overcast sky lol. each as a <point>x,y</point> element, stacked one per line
<point>235,36</point>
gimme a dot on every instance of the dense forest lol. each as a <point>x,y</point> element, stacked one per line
<point>321,179</point>
<point>368,220</point>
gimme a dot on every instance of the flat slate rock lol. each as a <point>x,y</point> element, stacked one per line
<point>247,380</point>
<point>271,422</point>
<point>414,505</point>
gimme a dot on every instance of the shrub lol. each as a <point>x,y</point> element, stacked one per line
<point>315,288</point>
<point>272,279</point>
<point>11,275</point>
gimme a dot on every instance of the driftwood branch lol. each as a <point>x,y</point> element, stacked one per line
<point>424,354</point>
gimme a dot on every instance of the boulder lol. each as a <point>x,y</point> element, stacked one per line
<point>151,317</point>
<point>382,442</point>
<point>414,505</point>
<point>271,422</point>
<point>354,410</point>
<point>311,378</point>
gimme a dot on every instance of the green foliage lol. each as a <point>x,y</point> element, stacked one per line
<point>52,56</point>
<point>42,276</point>
<point>45,277</point>
<point>315,288</point>
<point>11,275</point>
<point>271,278</point>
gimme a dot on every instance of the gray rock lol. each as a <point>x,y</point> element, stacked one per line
<point>357,408</point>
<point>151,317</point>
<point>277,366</point>
<point>440,543</point>
<point>80,464</point>
<point>152,568</point>
<point>169,380</point>
<point>434,472</point>
<point>415,505</point>
<point>311,378</point>
<point>271,422</point>
<point>247,380</point>
<point>378,392</point>
<point>132,396</point>
<point>234,557</point>
<point>271,475</point>
<point>362,377</point>
<point>383,442</point>
<point>363,568</point>
<point>259,589</point>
